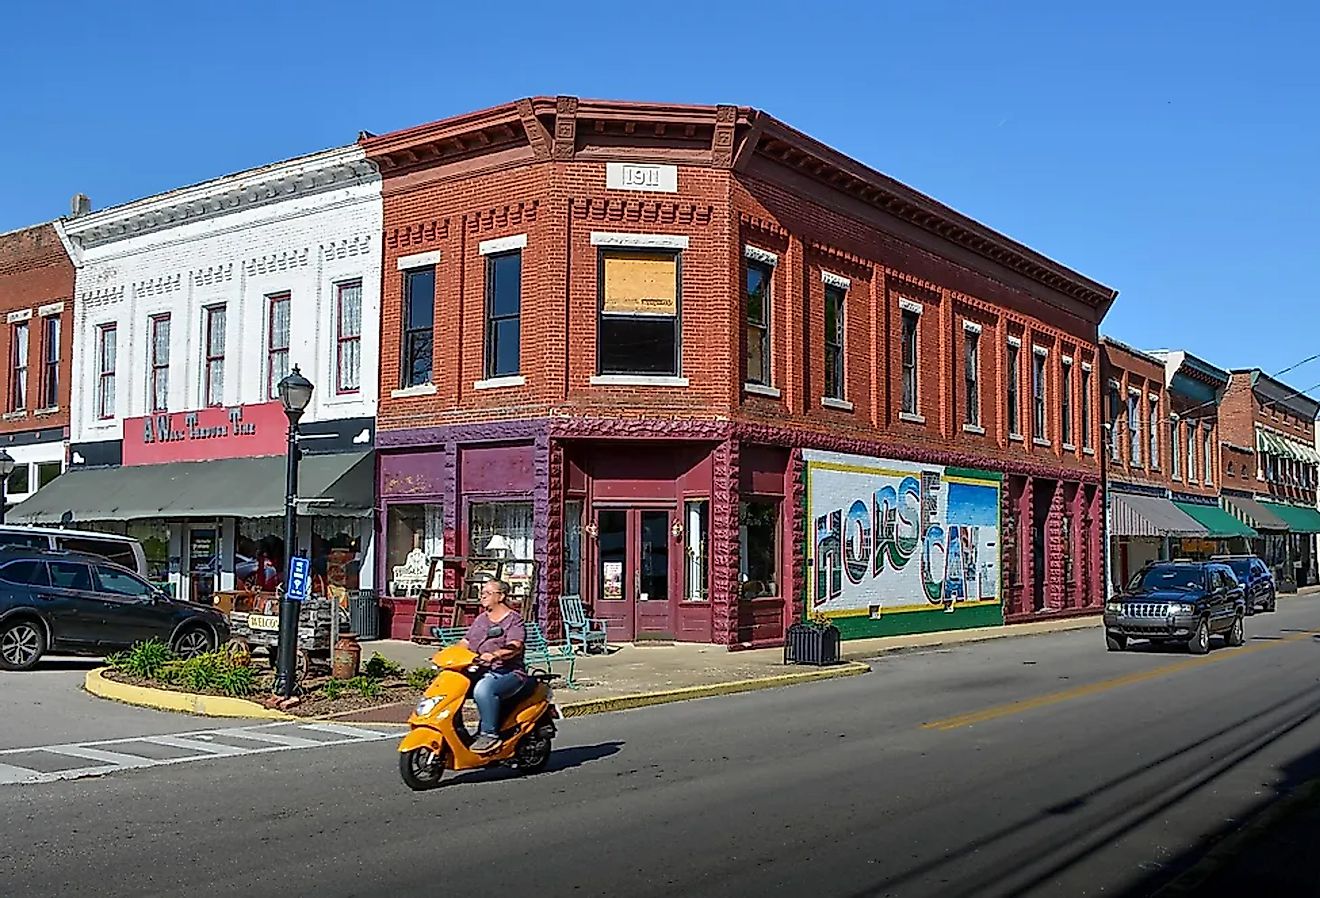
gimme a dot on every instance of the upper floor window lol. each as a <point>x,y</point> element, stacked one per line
<point>158,380</point>
<point>107,352</point>
<point>1115,416</point>
<point>911,320</point>
<point>1039,419</point>
<point>972,376</point>
<point>18,367</point>
<point>277,343</point>
<point>834,335</point>
<point>214,342</point>
<point>50,361</point>
<point>1208,457</point>
<point>503,314</point>
<point>1175,453</point>
<point>639,319</point>
<point>418,325</point>
<point>1066,401</point>
<point>757,328</point>
<point>1134,427</point>
<point>1191,451</point>
<point>1087,443</point>
<point>1154,433</point>
<point>1012,393</point>
<point>348,337</point>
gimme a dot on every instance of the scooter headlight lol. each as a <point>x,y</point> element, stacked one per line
<point>427,705</point>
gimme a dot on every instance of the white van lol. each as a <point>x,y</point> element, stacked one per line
<point>123,550</point>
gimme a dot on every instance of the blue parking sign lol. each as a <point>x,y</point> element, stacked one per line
<point>300,579</point>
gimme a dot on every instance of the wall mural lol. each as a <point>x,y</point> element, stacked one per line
<point>893,538</point>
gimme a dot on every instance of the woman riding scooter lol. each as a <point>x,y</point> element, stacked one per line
<point>497,636</point>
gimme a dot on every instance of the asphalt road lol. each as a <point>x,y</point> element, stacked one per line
<point>1034,766</point>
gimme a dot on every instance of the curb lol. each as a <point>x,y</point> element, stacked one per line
<point>667,696</point>
<point>169,700</point>
<point>1222,853</point>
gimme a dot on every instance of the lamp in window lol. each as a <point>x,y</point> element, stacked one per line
<point>498,546</point>
<point>6,468</point>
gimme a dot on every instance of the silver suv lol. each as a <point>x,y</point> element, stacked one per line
<point>1178,601</point>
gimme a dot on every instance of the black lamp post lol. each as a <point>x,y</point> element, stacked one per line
<point>295,394</point>
<point>6,468</point>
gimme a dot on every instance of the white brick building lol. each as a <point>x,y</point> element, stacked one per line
<point>190,306</point>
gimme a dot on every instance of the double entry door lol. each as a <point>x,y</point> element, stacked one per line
<point>635,588</point>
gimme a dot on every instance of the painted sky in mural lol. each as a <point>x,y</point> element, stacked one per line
<point>889,535</point>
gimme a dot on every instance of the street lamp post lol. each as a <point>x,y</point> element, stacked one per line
<point>295,393</point>
<point>6,468</point>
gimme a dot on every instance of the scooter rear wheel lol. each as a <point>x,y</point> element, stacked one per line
<point>421,769</point>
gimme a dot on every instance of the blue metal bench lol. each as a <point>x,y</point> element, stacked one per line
<point>578,627</point>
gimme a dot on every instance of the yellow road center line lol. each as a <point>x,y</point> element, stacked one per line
<point>1064,695</point>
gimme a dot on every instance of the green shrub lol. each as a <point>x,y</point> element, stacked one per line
<point>380,668</point>
<point>210,672</point>
<point>421,677</point>
<point>333,689</point>
<point>364,685</point>
<point>145,659</point>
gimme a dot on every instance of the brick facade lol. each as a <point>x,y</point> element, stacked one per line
<point>36,287</point>
<point>538,172</point>
<point>1252,402</point>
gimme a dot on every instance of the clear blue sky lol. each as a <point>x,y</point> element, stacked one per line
<point>1168,149</point>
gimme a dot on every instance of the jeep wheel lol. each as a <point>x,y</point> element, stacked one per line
<point>1199,644</point>
<point>1115,642</point>
<point>1272,604</point>
<point>1237,634</point>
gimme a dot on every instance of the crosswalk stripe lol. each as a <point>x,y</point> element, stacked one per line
<point>114,758</point>
<point>197,745</point>
<point>203,744</point>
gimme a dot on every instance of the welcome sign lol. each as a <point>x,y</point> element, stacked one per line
<point>891,537</point>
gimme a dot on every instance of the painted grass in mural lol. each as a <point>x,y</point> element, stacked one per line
<point>892,537</point>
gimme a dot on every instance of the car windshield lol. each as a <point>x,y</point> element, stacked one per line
<point>1167,577</point>
<point>1241,568</point>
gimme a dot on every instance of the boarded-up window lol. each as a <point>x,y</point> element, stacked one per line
<point>639,313</point>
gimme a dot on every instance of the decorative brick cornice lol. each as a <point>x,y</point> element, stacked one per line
<point>641,211</point>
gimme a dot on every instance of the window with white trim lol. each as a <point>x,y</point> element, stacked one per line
<point>1208,456</point>
<point>503,314</point>
<point>277,343</point>
<point>50,361</point>
<point>756,330</point>
<point>158,381</point>
<point>834,336</point>
<point>1175,454</point>
<point>1154,433</point>
<point>972,376</point>
<point>106,361</point>
<point>1013,393</point>
<point>639,321</point>
<point>1134,428</point>
<point>348,337</point>
<point>18,367</point>
<point>214,349</point>
<point>1087,439</point>
<point>911,322</point>
<point>1038,372</point>
<point>1066,401</point>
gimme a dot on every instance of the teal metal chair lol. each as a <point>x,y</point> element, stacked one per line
<point>579,629</point>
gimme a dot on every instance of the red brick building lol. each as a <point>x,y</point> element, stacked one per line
<point>708,372</point>
<point>1269,438</point>
<point>1164,465</point>
<point>36,345</point>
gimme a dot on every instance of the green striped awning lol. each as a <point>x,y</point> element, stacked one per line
<point>1252,512</point>
<point>1277,444</point>
<point>1215,520</point>
<point>1300,518</point>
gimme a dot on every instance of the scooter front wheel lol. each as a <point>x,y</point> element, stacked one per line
<point>421,769</point>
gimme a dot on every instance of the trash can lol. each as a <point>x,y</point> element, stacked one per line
<point>364,614</point>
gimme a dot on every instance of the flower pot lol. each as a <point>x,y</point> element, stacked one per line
<point>812,644</point>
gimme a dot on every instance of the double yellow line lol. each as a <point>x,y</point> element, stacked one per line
<point>1066,695</point>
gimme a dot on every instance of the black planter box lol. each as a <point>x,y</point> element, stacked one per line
<point>811,645</point>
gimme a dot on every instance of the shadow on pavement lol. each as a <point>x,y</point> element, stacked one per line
<point>67,664</point>
<point>1271,849</point>
<point>560,759</point>
<point>1059,847</point>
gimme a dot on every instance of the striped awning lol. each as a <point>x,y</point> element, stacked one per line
<point>1272,443</point>
<point>1253,513</point>
<point>1134,515</point>
<point>1300,518</point>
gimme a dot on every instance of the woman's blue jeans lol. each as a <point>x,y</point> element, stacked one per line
<point>489,692</point>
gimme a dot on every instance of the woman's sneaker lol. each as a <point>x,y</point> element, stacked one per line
<point>485,744</point>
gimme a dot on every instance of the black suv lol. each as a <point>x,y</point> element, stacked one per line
<point>69,603</point>
<point>1256,578</point>
<point>1178,601</point>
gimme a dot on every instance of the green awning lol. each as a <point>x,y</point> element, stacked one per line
<point>1300,518</point>
<point>331,484</point>
<point>1215,520</point>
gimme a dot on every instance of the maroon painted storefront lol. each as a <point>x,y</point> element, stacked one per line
<point>646,530</point>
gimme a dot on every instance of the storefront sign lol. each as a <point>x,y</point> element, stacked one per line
<point>612,577</point>
<point>206,434</point>
<point>890,536</point>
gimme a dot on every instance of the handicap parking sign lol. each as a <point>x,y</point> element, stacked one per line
<point>300,579</point>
